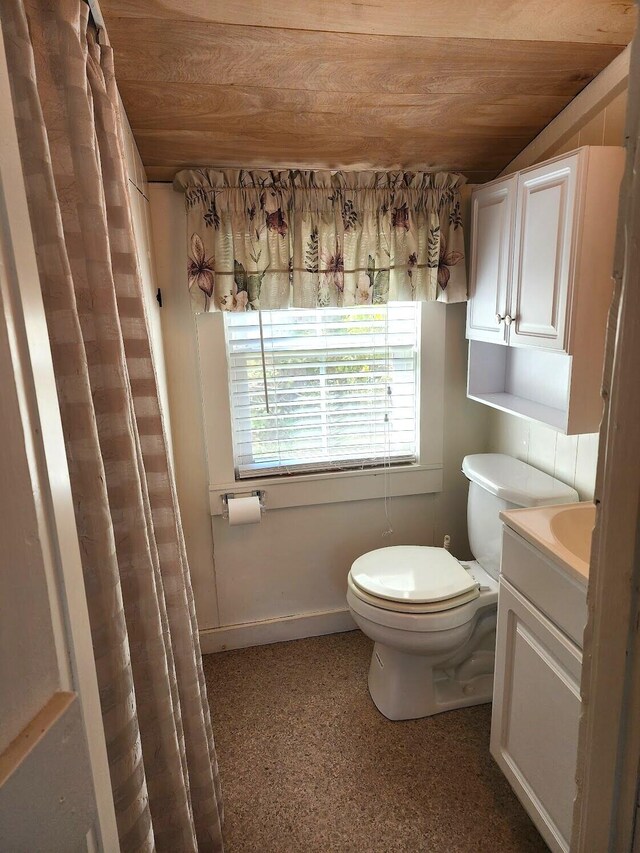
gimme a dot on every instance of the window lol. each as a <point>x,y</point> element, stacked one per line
<point>331,389</point>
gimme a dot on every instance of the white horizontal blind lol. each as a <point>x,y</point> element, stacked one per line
<point>339,388</point>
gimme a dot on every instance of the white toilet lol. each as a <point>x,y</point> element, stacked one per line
<point>433,618</point>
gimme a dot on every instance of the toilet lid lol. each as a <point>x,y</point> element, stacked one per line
<point>411,573</point>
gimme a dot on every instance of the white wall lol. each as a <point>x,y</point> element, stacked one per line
<point>570,458</point>
<point>169,238</point>
<point>141,214</point>
<point>591,119</point>
<point>296,561</point>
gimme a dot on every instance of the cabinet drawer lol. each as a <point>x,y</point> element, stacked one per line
<point>558,596</point>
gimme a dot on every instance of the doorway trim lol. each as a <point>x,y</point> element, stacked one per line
<point>609,743</point>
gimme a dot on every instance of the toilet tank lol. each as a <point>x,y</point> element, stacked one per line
<point>498,482</point>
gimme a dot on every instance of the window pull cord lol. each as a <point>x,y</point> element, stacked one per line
<point>264,364</point>
<point>387,435</point>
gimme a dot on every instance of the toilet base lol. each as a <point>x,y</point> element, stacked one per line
<point>408,686</point>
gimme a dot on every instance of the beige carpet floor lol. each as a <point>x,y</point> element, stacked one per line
<point>309,765</point>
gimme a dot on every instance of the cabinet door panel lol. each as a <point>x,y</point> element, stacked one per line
<point>544,229</point>
<point>536,712</point>
<point>492,210</point>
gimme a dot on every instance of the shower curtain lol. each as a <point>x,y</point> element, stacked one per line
<point>154,706</point>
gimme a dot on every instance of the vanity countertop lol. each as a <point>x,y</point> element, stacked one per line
<point>562,532</point>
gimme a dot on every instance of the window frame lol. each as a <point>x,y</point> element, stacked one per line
<point>423,476</point>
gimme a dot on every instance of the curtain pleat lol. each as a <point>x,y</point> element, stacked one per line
<point>155,712</point>
<point>274,239</point>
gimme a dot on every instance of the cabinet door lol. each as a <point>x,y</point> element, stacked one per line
<point>536,712</point>
<point>544,234</point>
<point>492,214</point>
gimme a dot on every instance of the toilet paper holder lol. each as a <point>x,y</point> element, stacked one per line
<point>256,493</point>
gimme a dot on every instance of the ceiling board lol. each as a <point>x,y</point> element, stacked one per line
<point>591,21</point>
<point>148,49</point>
<point>314,84</point>
<point>166,174</point>
<point>166,106</point>
<point>324,149</point>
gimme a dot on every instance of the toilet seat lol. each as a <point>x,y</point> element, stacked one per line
<point>412,578</point>
<point>412,607</point>
<point>407,618</point>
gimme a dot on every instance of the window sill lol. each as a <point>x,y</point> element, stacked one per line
<point>334,486</point>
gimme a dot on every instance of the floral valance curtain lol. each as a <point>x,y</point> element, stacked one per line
<point>279,239</point>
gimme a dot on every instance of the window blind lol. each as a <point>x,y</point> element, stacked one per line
<point>323,389</point>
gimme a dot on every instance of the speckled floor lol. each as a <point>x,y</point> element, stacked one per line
<point>309,765</point>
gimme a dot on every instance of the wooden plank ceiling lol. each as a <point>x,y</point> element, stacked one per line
<point>462,85</point>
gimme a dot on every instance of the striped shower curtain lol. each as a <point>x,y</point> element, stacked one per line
<point>154,705</point>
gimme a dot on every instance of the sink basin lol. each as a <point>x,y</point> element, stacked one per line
<point>563,532</point>
<point>572,526</point>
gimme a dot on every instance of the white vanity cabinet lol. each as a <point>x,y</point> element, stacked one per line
<point>540,284</point>
<point>536,699</point>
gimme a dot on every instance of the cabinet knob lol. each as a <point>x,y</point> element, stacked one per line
<point>499,318</point>
<point>508,319</point>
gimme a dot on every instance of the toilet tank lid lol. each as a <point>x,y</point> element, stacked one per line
<point>515,481</point>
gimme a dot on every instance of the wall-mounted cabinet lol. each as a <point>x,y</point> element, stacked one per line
<point>541,268</point>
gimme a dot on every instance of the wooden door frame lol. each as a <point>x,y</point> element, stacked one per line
<point>609,745</point>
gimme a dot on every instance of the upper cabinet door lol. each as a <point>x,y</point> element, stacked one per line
<point>544,236</point>
<point>492,215</point>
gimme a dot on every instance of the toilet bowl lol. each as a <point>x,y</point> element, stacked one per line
<point>423,661</point>
<point>431,617</point>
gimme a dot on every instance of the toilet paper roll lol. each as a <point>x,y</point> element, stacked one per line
<point>244,510</point>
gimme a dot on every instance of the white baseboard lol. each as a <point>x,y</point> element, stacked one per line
<point>275,630</point>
